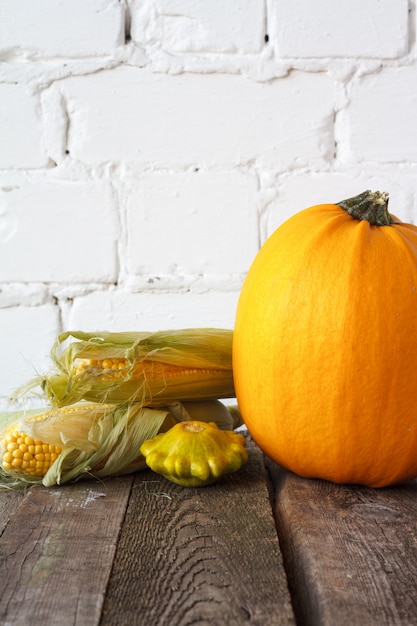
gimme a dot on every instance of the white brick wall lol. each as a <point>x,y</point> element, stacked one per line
<point>172,121</point>
<point>200,26</point>
<point>60,28</point>
<point>148,147</point>
<point>192,216</point>
<point>21,129</point>
<point>58,232</point>
<point>352,28</point>
<point>383,109</point>
<point>26,334</point>
<point>153,310</point>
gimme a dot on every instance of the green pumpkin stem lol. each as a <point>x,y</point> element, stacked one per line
<point>369,205</point>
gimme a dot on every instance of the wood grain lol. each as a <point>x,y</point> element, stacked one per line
<point>9,501</point>
<point>56,553</point>
<point>350,551</point>
<point>199,556</point>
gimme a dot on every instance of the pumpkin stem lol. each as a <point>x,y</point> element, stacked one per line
<point>369,205</point>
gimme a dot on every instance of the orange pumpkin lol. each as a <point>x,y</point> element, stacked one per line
<point>325,344</point>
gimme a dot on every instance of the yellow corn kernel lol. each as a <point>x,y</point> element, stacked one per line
<point>99,365</point>
<point>23,454</point>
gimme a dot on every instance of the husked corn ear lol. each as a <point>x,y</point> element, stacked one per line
<point>22,453</point>
<point>151,368</point>
<point>62,444</point>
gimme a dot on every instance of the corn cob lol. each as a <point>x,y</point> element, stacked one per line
<point>151,368</point>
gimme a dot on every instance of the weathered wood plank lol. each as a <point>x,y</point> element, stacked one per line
<point>9,501</point>
<point>57,551</point>
<point>199,556</point>
<point>351,552</point>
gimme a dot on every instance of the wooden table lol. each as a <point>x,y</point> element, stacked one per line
<point>141,550</point>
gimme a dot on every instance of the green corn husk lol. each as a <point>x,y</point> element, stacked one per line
<point>205,354</point>
<point>97,439</point>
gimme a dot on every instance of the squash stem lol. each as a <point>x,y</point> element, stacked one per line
<point>193,427</point>
<point>369,205</point>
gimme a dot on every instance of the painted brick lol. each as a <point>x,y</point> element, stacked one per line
<point>71,28</point>
<point>200,26</point>
<point>121,310</point>
<point>185,119</point>
<point>382,116</point>
<point>20,129</point>
<point>18,294</point>
<point>192,223</point>
<point>352,28</point>
<point>26,337</point>
<point>60,232</point>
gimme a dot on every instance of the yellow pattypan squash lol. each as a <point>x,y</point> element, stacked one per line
<point>194,453</point>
